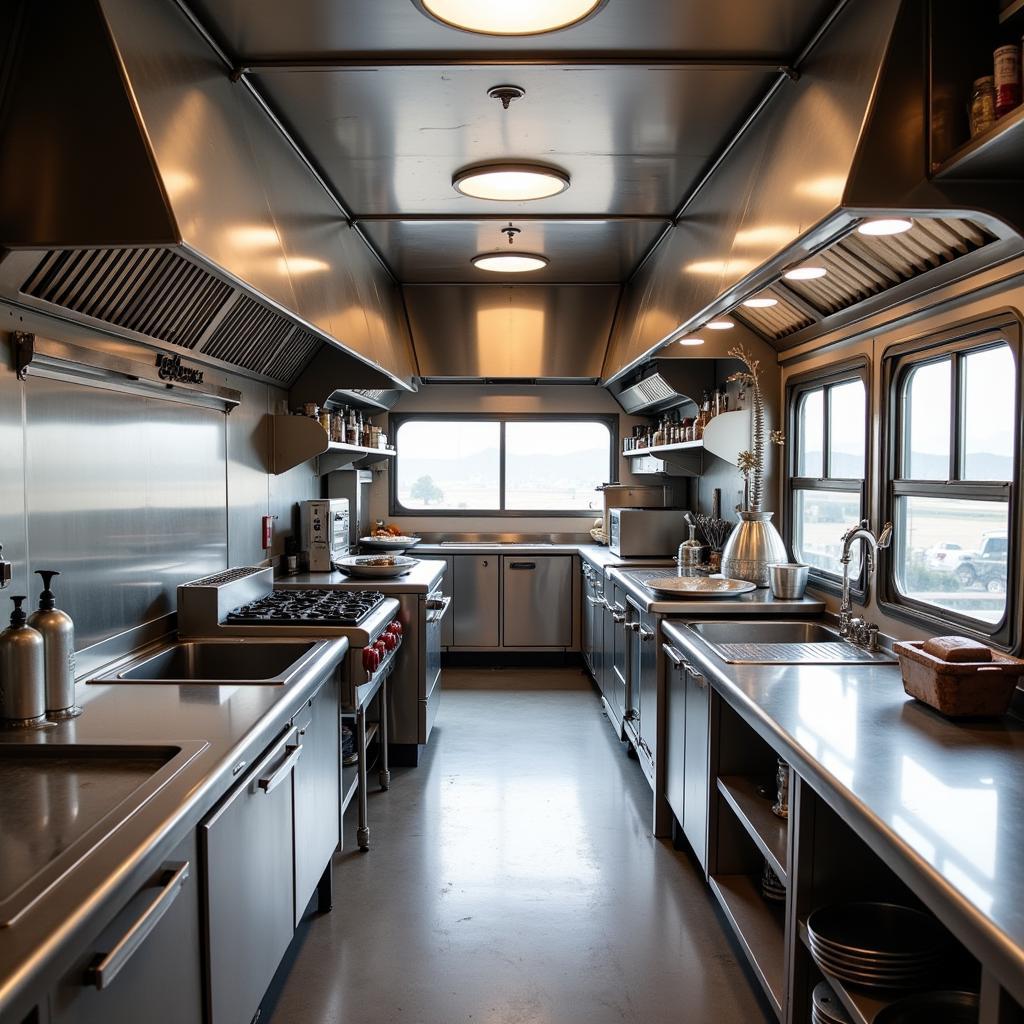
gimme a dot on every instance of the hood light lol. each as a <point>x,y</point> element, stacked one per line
<point>510,17</point>
<point>509,263</point>
<point>720,325</point>
<point>760,303</point>
<point>805,273</point>
<point>691,341</point>
<point>885,226</point>
<point>510,183</point>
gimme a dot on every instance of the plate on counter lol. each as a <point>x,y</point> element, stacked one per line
<point>386,566</point>
<point>396,544</point>
<point>698,586</point>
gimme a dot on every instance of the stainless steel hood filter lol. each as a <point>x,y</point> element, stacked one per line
<point>142,191</point>
<point>847,141</point>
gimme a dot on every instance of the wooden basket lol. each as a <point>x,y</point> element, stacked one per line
<point>967,689</point>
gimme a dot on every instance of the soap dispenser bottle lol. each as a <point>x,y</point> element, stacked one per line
<point>22,676</point>
<point>58,651</point>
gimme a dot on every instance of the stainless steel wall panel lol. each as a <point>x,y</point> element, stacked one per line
<point>248,487</point>
<point>512,330</point>
<point>13,533</point>
<point>125,495</point>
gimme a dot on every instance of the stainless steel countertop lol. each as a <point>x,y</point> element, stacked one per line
<point>237,723</point>
<point>941,802</point>
<point>757,602</point>
<point>421,579</point>
<point>494,548</point>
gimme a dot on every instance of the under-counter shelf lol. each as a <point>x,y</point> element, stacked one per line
<point>297,439</point>
<point>760,927</point>
<point>769,832</point>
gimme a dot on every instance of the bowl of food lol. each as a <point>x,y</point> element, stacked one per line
<point>385,565</point>
<point>388,538</point>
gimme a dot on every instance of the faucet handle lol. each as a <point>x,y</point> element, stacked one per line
<point>885,536</point>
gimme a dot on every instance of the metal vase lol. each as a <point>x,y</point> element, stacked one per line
<point>752,546</point>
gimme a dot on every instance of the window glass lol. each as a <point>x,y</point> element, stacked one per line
<point>448,464</point>
<point>926,412</point>
<point>988,383</point>
<point>847,418</point>
<point>952,553</point>
<point>555,465</point>
<point>811,434</point>
<point>820,519</point>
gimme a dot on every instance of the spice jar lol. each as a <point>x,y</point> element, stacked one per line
<point>1007,78</point>
<point>983,105</point>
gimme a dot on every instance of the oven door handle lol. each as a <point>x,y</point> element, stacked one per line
<point>436,614</point>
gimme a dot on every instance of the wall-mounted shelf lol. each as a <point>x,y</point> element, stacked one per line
<point>725,436</point>
<point>995,155</point>
<point>297,439</point>
<point>665,449</point>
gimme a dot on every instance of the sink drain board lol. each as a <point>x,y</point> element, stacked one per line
<point>838,653</point>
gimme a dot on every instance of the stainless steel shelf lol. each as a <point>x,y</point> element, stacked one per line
<point>297,439</point>
<point>769,832</point>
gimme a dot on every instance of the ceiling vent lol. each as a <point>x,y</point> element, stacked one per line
<point>775,322</point>
<point>672,383</point>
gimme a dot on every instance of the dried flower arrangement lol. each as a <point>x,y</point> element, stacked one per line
<point>751,463</point>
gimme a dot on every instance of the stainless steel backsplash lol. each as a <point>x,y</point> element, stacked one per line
<point>128,496</point>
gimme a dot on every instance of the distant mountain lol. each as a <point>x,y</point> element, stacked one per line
<point>552,470</point>
<point>983,466</point>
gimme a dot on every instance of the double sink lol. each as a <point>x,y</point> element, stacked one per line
<point>62,800</point>
<point>783,642</point>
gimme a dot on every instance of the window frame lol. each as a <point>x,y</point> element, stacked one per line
<point>397,420</point>
<point>797,388</point>
<point>897,365</point>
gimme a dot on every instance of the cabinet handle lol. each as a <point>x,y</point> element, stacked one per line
<point>645,634</point>
<point>270,782</point>
<point>673,655</point>
<point>633,627</point>
<point>618,616</point>
<point>109,965</point>
<point>597,602</point>
<point>522,565</point>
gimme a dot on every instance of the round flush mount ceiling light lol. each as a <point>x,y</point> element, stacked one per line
<point>691,341</point>
<point>720,325</point>
<point>510,263</point>
<point>510,183</point>
<point>805,273</point>
<point>509,17</point>
<point>762,303</point>
<point>885,226</point>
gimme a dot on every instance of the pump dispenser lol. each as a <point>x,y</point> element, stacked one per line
<point>22,676</point>
<point>59,650</point>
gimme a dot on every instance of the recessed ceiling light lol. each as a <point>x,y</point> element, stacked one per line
<point>509,263</point>
<point>691,341</point>
<point>885,226</point>
<point>720,325</point>
<point>510,183</point>
<point>805,273</point>
<point>509,17</point>
<point>760,303</point>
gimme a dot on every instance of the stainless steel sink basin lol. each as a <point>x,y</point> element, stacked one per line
<point>61,800</point>
<point>215,662</point>
<point>775,642</point>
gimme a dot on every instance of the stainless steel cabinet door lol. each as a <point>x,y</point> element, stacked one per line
<point>476,601</point>
<point>697,768</point>
<point>587,618</point>
<point>316,785</point>
<point>128,973</point>
<point>675,734</point>
<point>537,601</point>
<point>447,585</point>
<point>247,847</point>
<point>646,639</point>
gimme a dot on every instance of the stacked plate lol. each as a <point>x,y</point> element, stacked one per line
<point>932,1008</point>
<point>879,945</point>
<point>827,1009</point>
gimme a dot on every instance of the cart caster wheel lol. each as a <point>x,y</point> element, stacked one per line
<point>363,838</point>
<point>385,780</point>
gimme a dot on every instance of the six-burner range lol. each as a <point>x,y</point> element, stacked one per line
<point>307,608</point>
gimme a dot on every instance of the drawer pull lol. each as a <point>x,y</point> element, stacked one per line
<point>673,655</point>
<point>523,565</point>
<point>270,782</point>
<point>109,965</point>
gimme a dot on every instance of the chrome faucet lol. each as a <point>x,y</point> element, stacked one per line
<point>857,630</point>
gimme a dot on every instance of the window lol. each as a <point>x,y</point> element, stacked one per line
<point>955,438</point>
<point>828,465</point>
<point>512,465</point>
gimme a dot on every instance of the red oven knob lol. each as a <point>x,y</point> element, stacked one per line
<point>371,659</point>
<point>390,641</point>
<point>381,648</point>
<point>396,628</point>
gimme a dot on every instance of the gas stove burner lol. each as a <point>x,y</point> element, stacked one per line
<point>305,607</point>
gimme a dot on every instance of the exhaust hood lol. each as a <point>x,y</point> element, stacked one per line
<point>152,196</point>
<point>847,142</point>
<point>667,384</point>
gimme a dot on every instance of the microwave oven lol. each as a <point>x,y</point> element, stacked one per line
<point>325,538</point>
<point>646,532</point>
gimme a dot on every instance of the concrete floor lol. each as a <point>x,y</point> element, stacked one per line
<point>513,879</point>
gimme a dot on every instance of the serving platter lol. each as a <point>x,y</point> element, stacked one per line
<point>699,586</point>
<point>395,544</point>
<point>363,565</point>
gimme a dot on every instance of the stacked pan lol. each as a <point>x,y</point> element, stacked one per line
<point>878,945</point>
<point>827,1009</point>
